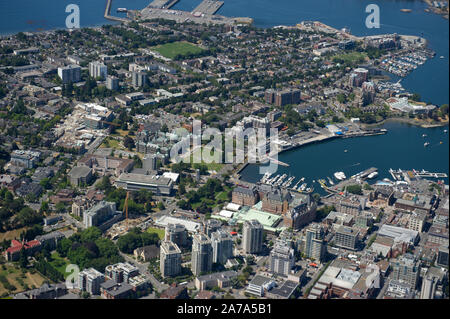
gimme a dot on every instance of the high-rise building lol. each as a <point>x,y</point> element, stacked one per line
<point>170,259</point>
<point>429,284</point>
<point>442,257</point>
<point>252,237</point>
<point>314,243</point>
<point>222,244</point>
<point>149,162</point>
<point>112,83</point>
<point>202,254</point>
<point>406,269</point>
<point>139,79</point>
<point>282,258</point>
<point>89,280</point>
<point>98,69</point>
<point>121,272</point>
<point>177,234</point>
<point>211,226</point>
<point>70,73</point>
<point>346,237</point>
<point>417,220</point>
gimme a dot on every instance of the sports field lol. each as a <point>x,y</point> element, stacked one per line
<point>171,50</point>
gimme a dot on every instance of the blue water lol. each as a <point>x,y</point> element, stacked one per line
<point>402,147</point>
<point>431,80</point>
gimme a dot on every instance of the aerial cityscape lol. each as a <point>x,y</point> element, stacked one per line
<point>188,149</point>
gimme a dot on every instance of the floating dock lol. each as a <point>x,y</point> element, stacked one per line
<point>208,7</point>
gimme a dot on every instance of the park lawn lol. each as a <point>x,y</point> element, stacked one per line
<point>158,231</point>
<point>111,143</point>
<point>60,263</point>
<point>171,50</point>
<point>353,57</point>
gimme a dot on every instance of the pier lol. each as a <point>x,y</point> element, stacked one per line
<point>400,174</point>
<point>162,4</point>
<point>109,16</point>
<point>208,7</point>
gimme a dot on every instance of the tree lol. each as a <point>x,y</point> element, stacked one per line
<point>128,142</point>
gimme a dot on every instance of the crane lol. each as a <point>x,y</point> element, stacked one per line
<point>125,209</point>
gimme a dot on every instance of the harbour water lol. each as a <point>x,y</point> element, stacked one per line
<point>429,80</point>
<point>402,147</point>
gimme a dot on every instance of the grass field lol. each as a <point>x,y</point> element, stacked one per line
<point>19,280</point>
<point>352,58</point>
<point>160,232</point>
<point>60,263</point>
<point>171,50</point>
<point>12,234</point>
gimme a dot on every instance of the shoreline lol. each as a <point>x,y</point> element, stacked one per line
<point>406,121</point>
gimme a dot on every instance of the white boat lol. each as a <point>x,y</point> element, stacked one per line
<point>445,131</point>
<point>426,144</point>
<point>424,135</point>
<point>345,151</point>
<point>330,181</point>
<point>372,175</point>
<point>340,176</point>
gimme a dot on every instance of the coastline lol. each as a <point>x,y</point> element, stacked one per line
<point>406,121</point>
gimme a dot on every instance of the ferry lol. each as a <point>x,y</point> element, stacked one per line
<point>340,176</point>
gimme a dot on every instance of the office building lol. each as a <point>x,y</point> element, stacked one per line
<point>282,258</point>
<point>159,185</point>
<point>149,162</point>
<point>98,70</point>
<point>417,220</point>
<point>442,257</point>
<point>346,237</point>
<point>429,284</point>
<point>89,280</point>
<point>70,73</point>
<point>26,159</point>
<point>170,259</point>
<point>314,243</point>
<point>211,226</point>
<point>202,254</point>
<point>177,234</point>
<point>222,245</point>
<point>252,237</point>
<point>99,214</point>
<point>406,269</point>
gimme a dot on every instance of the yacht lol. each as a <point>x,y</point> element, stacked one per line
<point>340,176</point>
<point>372,175</point>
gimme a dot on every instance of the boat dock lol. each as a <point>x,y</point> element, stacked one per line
<point>208,7</point>
<point>110,17</point>
<point>162,4</point>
